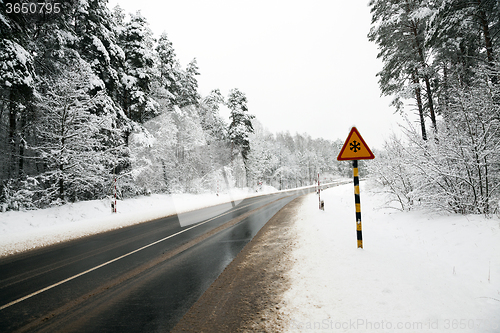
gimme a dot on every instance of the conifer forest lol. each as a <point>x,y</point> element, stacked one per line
<point>88,95</point>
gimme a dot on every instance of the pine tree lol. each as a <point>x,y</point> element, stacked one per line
<point>188,94</point>
<point>137,42</point>
<point>400,29</point>
<point>97,42</point>
<point>463,35</point>
<point>240,125</point>
<point>168,68</point>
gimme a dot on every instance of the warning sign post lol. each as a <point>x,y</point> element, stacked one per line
<point>354,149</point>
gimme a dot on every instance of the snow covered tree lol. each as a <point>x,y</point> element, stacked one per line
<point>152,147</point>
<point>473,145</point>
<point>240,121</point>
<point>70,137</point>
<point>165,131</point>
<point>210,118</point>
<point>97,42</point>
<point>137,42</point>
<point>240,124</point>
<point>168,68</point>
<point>188,93</point>
<point>463,36</point>
<point>16,88</point>
<point>118,16</point>
<point>459,172</point>
<point>190,144</point>
<point>263,159</point>
<point>17,79</point>
<point>400,29</point>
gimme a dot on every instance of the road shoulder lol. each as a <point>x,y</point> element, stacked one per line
<point>247,295</point>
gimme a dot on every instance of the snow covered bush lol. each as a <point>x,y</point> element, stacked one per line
<point>19,194</point>
<point>458,168</point>
<point>392,169</point>
<point>470,136</point>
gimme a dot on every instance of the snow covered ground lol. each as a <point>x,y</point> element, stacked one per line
<point>418,271</point>
<point>21,231</point>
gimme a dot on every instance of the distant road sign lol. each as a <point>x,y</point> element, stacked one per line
<point>355,148</point>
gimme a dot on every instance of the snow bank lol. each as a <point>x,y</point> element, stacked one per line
<point>21,231</point>
<point>418,272</point>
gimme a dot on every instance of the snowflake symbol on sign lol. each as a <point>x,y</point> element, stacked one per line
<point>355,146</point>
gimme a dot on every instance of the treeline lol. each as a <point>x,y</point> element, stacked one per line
<point>288,161</point>
<point>87,96</point>
<point>443,55</point>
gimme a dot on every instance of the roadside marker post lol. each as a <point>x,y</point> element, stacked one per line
<point>321,202</point>
<point>354,149</point>
<point>319,194</point>
<point>113,204</point>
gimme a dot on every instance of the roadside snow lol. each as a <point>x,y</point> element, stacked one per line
<point>25,230</point>
<point>21,231</point>
<point>418,272</point>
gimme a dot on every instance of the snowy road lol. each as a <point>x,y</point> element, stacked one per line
<point>140,278</point>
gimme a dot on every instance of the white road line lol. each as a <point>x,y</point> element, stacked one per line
<point>116,259</point>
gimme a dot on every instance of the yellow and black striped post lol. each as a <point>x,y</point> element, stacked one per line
<point>357,201</point>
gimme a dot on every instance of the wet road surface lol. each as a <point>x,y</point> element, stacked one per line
<point>142,278</point>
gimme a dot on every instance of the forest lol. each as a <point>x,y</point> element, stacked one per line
<point>90,99</point>
<point>441,66</point>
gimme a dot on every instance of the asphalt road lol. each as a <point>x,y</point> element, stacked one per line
<point>142,278</point>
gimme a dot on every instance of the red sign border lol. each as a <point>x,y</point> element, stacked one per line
<point>339,158</point>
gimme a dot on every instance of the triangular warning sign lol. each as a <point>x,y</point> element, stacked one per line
<point>355,148</point>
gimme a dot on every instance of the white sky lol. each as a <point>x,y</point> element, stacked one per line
<point>305,66</point>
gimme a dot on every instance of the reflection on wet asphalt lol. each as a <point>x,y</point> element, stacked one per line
<point>157,299</point>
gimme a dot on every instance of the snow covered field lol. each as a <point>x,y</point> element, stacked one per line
<point>418,272</point>
<point>21,231</point>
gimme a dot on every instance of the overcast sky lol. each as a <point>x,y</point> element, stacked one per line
<point>305,66</point>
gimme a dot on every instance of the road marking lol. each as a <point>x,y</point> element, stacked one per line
<point>116,259</point>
